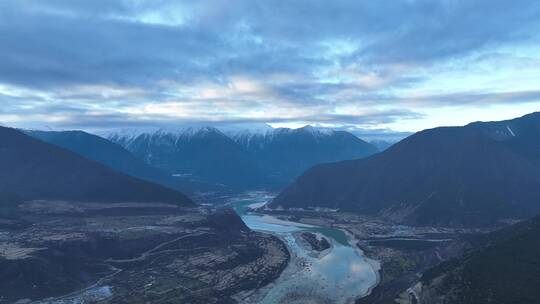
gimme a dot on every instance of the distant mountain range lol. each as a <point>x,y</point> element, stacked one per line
<point>382,145</point>
<point>240,159</point>
<point>471,175</point>
<point>199,154</point>
<point>35,170</point>
<point>286,153</point>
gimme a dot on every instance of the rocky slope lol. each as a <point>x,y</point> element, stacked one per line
<point>133,253</point>
<point>504,269</point>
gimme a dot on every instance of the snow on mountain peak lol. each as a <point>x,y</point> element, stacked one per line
<point>237,132</point>
<point>317,131</point>
<point>127,134</point>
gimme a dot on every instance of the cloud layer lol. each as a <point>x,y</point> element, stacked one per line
<point>364,64</point>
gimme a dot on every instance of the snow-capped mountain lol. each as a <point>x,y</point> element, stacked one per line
<point>258,139</point>
<point>198,153</point>
<point>289,152</point>
<point>161,136</point>
<point>240,156</point>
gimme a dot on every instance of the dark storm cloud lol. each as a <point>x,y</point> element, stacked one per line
<point>54,42</point>
<point>44,51</point>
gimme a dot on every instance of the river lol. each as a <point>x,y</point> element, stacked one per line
<point>337,275</point>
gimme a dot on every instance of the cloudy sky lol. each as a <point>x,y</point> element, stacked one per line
<point>370,66</point>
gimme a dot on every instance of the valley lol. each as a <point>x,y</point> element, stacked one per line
<point>372,259</point>
<point>116,229</point>
<point>140,252</point>
<point>402,252</point>
<point>269,152</point>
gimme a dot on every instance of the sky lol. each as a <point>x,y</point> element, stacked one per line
<point>377,68</point>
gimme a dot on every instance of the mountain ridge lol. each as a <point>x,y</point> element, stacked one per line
<point>445,175</point>
<point>261,158</point>
<point>115,156</point>
<point>204,154</point>
<point>33,169</point>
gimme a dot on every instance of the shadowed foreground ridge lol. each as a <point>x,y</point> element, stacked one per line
<point>32,169</point>
<point>504,271</point>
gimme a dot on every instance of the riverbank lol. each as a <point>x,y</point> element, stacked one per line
<point>400,253</point>
<point>376,265</point>
<point>338,274</point>
<point>128,254</point>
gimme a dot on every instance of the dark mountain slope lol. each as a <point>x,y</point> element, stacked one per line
<point>503,271</point>
<point>116,157</point>
<point>100,150</point>
<point>452,176</point>
<point>32,169</point>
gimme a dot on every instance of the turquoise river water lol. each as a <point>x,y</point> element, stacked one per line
<point>337,275</point>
